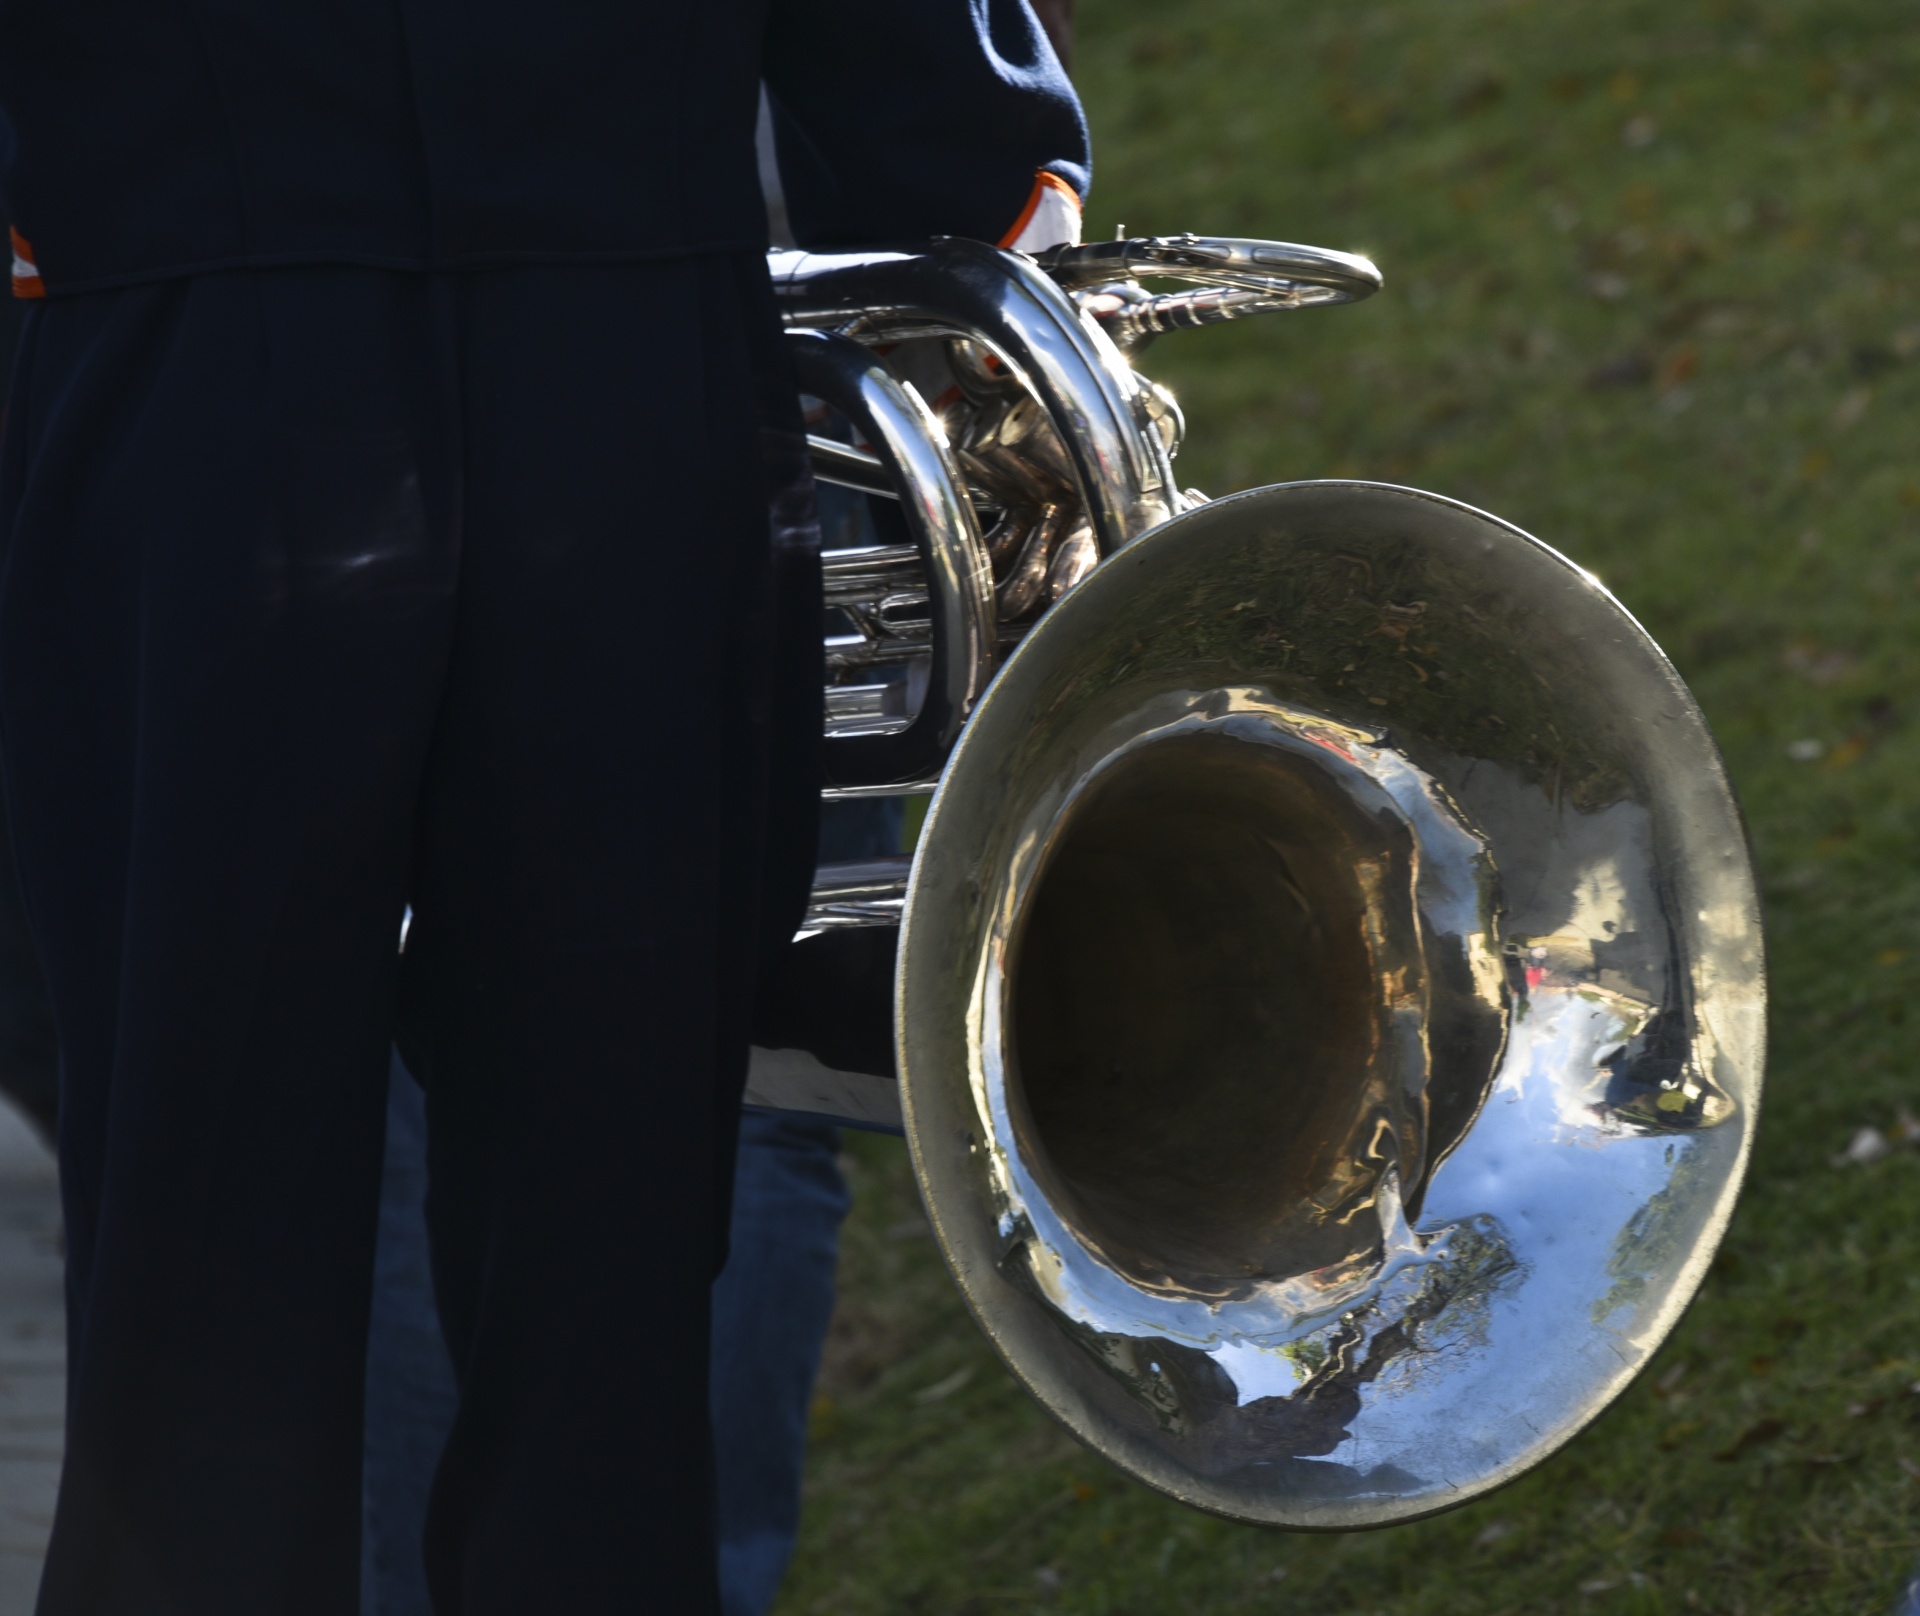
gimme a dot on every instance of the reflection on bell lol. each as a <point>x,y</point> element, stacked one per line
<point>1329,1009</point>
<point>1223,1008</point>
<point>1330,1052</point>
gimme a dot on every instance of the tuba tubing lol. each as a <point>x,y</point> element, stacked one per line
<point>1006,304</point>
<point>1329,1011</point>
<point>912,452</point>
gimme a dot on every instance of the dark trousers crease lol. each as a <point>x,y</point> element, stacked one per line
<point>327,592</point>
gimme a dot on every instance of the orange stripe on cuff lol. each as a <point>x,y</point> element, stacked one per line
<point>26,274</point>
<point>1042,183</point>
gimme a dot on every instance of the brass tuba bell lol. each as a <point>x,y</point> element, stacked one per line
<point>1329,1009</point>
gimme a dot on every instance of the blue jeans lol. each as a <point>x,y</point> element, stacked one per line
<point>410,1388</point>
<point>771,1308</point>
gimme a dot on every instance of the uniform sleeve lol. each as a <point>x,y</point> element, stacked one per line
<point>901,119</point>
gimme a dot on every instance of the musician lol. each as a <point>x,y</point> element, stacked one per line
<point>772,1303</point>
<point>384,506</point>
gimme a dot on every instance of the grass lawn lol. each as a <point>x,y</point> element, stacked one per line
<point>1651,295</point>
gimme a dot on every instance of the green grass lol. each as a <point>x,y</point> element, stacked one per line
<point>1651,294</point>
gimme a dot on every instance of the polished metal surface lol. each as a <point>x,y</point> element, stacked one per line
<point>792,1080</point>
<point>907,788</point>
<point>1050,452</point>
<point>880,592</point>
<point>849,467</point>
<point>1006,306</point>
<point>869,892</point>
<point>1284,270</point>
<point>951,611</point>
<point>1330,1005</point>
<point>1234,279</point>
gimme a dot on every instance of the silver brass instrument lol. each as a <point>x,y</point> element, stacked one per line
<point>1330,1005</point>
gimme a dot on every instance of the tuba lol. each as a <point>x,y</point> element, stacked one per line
<point>1329,1006</point>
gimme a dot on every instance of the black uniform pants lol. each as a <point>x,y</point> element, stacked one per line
<point>327,592</point>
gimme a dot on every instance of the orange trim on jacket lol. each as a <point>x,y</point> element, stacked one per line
<point>1047,188</point>
<point>26,273</point>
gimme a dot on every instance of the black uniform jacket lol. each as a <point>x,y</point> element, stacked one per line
<point>154,138</point>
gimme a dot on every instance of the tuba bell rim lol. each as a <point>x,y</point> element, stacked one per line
<point>958,914</point>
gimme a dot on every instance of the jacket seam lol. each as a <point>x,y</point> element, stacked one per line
<point>499,258</point>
